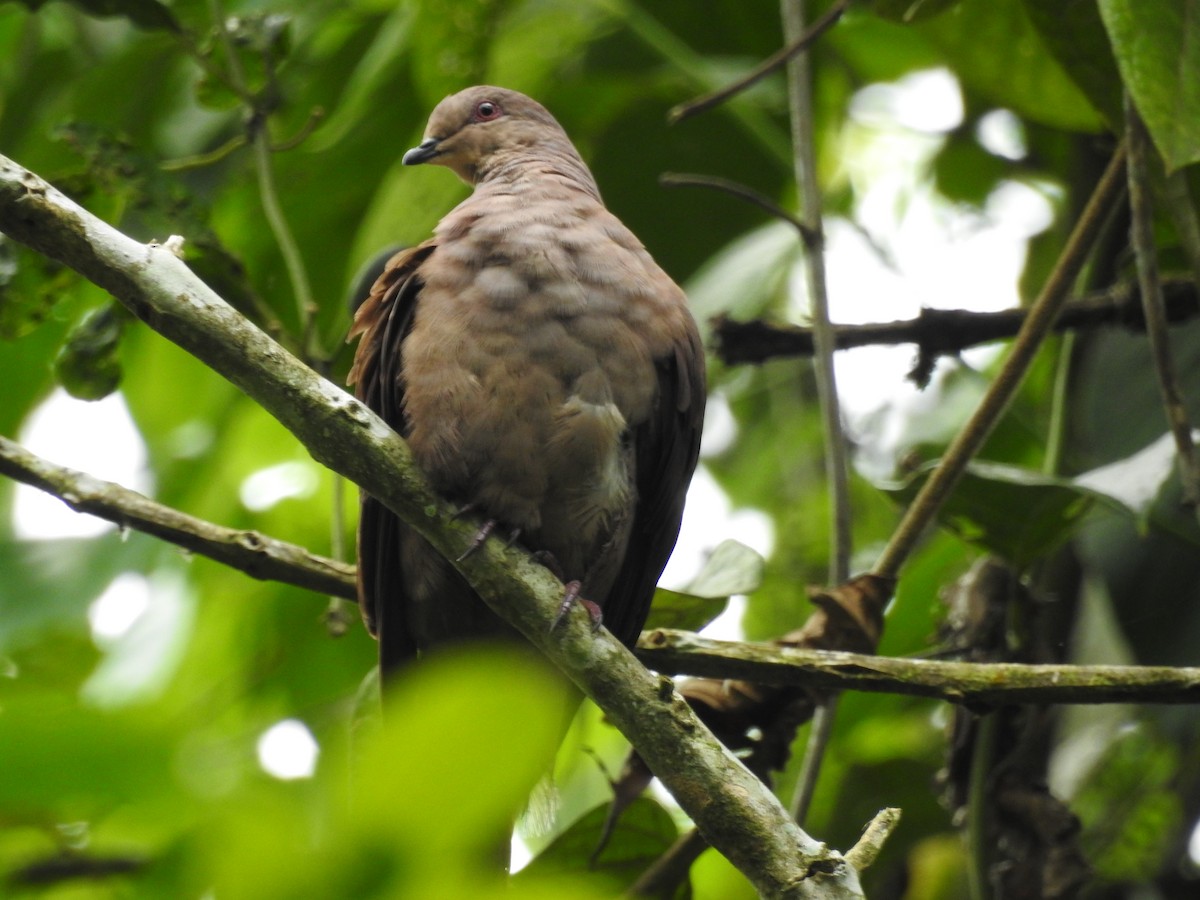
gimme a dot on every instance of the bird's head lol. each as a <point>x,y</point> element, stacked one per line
<point>469,130</point>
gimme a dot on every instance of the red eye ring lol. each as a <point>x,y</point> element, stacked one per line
<point>486,110</point>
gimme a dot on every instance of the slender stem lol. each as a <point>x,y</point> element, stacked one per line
<point>724,185</point>
<point>824,715</point>
<point>260,141</point>
<point>339,613</point>
<point>979,792</point>
<point>800,110</point>
<point>1059,405</point>
<point>1037,324</point>
<point>763,69</point>
<point>805,162</point>
<point>1153,304</point>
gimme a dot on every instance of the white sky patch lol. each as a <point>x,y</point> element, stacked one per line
<point>929,101</point>
<point>96,437</point>
<point>1194,845</point>
<point>288,751</point>
<point>267,487</point>
<point>116,610</point>
<point>142,625</point>
<point>1000,132</point>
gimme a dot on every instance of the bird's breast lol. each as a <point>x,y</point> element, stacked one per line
<point>523,377</point>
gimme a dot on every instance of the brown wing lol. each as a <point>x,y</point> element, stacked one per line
<point>666,447</point>
<point>383,321</point>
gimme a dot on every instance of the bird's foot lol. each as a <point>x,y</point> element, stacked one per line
<point>570,598</point>
<point>478,540</point>
<point>484,532</point>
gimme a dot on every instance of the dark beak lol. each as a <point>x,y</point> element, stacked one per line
<point>423,152</point>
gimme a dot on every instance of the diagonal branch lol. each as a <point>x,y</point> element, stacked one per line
<point>252,552</point>
<point>734,810</point>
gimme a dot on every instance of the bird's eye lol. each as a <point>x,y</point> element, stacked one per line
<point>486,110</point>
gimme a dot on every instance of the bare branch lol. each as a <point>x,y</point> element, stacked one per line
<point>947,332</point>
<point>684,653</point>
<point>251,552</point>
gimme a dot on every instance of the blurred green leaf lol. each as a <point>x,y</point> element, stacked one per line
<point>1157,45</point>
<point>147,14</point>
<point>63,761</point>
<point>88,364</point>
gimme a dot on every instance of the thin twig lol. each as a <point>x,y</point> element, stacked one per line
<point>865,852</point>
<point>978,807</point>
<point>251,552</point>
<point>800,110</point>
<point>966,444</point>
<point>1152,302</point>
<point>315,115</point>
<point>724,185</point>
<point>200,160</point>
<point>671,868</point>
<point>763,69</point>
<point>819,734</point>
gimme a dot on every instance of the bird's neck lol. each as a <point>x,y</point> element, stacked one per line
<point>544,165</point>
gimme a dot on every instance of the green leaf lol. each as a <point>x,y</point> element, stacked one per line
<point>676,609</point>
<point>61,759</point>
<point>1157,45</point>
<point>995,51</point>
<point>731,568</point>
<point>1136,481</point>
<point>643,833</point>
<point>449,748</point>
<point>1074,33</point>
<point>1016,513</point>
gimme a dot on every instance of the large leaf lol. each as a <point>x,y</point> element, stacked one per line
<point>732,568</point>
<point>644,831</point>
<point>1157,45</point>
<point>1075,35</point>
<point>995,51</point>
<point>1016,513</point>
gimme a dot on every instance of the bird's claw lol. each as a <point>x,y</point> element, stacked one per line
<point>570,598</point>
<point>478,540</point>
